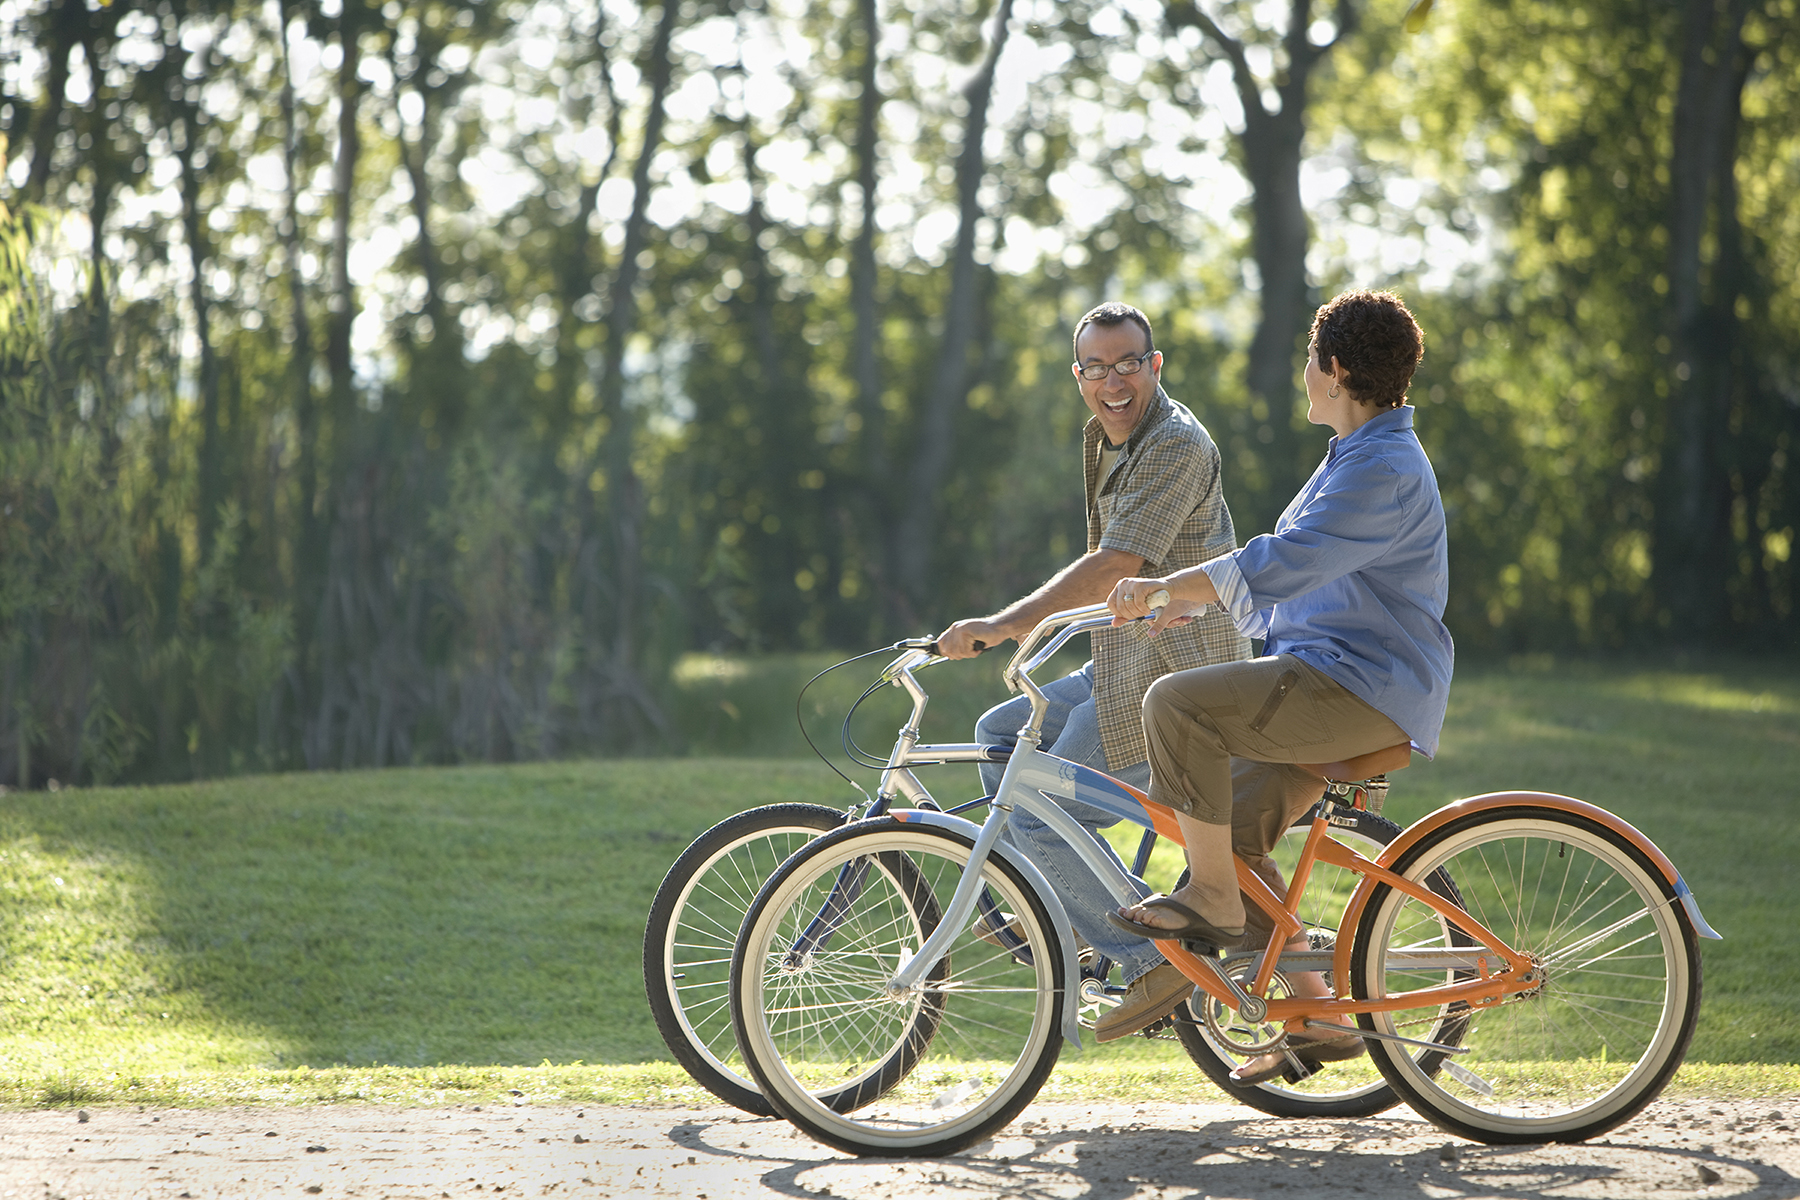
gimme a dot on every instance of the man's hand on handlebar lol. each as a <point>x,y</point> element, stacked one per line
<point>1134,598</point>
<point>966,639</point>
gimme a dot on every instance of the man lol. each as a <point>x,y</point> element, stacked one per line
<point>1154,505</point>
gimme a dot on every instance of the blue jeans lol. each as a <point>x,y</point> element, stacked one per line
<point>1071,731</point>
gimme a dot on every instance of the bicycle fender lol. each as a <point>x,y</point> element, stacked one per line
<point>1458,809</point>
<point>1071,959</point>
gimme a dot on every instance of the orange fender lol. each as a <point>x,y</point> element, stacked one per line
<point>1434,821</point>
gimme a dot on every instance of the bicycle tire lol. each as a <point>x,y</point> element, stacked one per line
<point>807,1022</point>
<point>1600,1037</point>
<point>1353,1089</point>
<point>692,925</point>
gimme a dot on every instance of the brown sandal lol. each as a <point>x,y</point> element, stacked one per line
<point>1194,927</point>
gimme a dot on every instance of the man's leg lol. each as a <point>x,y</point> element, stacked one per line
<point>1083,896</point>
<point>1155,987</point>
<point>1000,725</point>
<point>1071,731</point>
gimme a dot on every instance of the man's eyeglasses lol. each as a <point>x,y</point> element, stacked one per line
<point>1095,372</point>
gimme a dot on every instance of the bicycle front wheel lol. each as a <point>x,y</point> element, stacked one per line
<point>689,934</point>
<point>871,1070</point>
<point>1590,1046</point>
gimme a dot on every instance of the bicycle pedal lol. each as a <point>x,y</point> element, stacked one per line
<point>1201,949</point>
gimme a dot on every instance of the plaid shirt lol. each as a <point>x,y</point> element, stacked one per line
<point>1164,503</point>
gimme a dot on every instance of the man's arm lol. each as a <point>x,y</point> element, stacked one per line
<point>1087,580</point>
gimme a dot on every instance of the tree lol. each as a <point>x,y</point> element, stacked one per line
<point>911,570</point>
<point>1270,145</point>
<point>1708,466</point>
<point>628,711</point>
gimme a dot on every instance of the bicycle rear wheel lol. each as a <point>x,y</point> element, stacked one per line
<point>1349,1089</point>
<point>927,1071</point>
<point>1599,1038</point>
<point>690,930</point>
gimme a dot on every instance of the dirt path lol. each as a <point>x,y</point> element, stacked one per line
<point>1096,1152</point>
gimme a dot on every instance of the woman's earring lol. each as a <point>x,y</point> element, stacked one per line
<point>1333,393</point>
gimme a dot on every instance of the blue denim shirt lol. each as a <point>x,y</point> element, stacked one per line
<point>1354,579</point>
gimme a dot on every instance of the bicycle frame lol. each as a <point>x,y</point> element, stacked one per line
<point>1486,971</point>
<point>1034,776</point>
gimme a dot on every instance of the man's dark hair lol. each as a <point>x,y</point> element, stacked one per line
<point>1375,339</point>
<point>1114,313</point>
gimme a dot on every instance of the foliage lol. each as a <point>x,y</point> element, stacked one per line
<point>419,382</point>
<point>1551,376</point>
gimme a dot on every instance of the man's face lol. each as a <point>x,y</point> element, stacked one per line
<point>1120,401</point>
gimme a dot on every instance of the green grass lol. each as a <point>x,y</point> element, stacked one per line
<point>428,935</point>
<point>1159,1073</point>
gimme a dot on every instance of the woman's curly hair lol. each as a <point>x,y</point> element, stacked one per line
<point>1375,339</point>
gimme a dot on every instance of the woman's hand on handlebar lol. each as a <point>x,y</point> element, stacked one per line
<point>966,639</point>
<point>1132,599</point>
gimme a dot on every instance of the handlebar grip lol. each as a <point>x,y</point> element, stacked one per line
<point>980,648</point>
<point>1159,599</point>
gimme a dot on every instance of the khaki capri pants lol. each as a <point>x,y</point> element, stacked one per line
<point>1223,738</point>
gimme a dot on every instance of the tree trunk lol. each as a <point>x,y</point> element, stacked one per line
<point>344,512</point>
<point>103,169</point>
<point>309,549</point>
<point>760,285</point>
<point>342,305</point>
<point>917,525</point>
<point>874,502</point>
<point>628,711</point>
<point>576,282</point>
<point>67,23</point>
<point>1279,238</point>
<point>1271,143</point>
<point>193,223</point>
<point>1693,542</point>
<point>445,353</point>
<point>865,363</point>
<point>574,267</point>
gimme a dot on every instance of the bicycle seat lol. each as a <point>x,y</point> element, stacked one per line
<point>1363,766</point>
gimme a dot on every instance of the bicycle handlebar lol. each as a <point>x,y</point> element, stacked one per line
<point>1077,620</point>
<point>1071,622</point>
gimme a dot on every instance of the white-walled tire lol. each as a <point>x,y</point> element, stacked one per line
<point>1601,1036</point>
<point>692,926</point>
<point>941,1066</point>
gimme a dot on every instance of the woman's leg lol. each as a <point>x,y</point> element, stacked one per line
<point>1271,710</point>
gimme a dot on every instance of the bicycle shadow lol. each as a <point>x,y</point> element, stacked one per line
<point>1246,1155</point>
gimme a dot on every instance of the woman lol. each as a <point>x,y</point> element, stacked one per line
<point>1348,593</point>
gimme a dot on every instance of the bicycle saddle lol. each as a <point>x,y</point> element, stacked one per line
<point>1363,766</point>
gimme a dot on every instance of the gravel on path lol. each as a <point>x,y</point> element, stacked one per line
<point>1099,1151</point>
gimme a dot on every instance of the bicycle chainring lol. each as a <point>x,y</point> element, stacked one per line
<point>1247,1039</point>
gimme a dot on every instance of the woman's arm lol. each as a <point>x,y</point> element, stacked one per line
<point>1189,592</point>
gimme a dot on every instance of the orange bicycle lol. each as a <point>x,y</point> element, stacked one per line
<point>1524,967</point>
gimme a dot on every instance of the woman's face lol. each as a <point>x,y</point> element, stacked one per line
<point>1322,407</point>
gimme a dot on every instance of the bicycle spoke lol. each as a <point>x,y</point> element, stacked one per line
<point>1601,1032</point>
